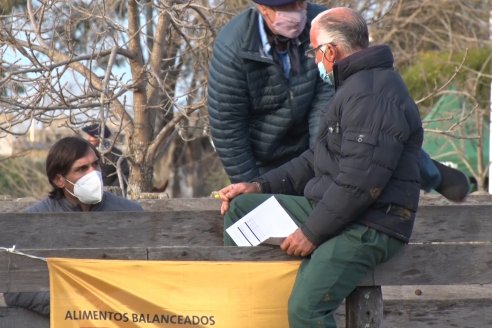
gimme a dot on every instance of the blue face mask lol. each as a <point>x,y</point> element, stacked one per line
<point>325,76</point>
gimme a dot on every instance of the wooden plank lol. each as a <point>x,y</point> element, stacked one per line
<point>364,308</point>
<point>476,198</point>
<point>110,229</point>
<point>437,264</point>
<point>397,314</point>
<point>149,229</point>
<point>21,318</point>
<point>438,314</point>
<point>437,292</point>
<point>181,204</point>
<point>150,205</point>
<point>21,273</point>
<point>426,264</point>
<point>219,253</point>
<point>453,223</point>
<point>209,204</point>
<point>417,264</point>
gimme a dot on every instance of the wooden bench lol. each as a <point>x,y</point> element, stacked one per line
<point>451,246</point>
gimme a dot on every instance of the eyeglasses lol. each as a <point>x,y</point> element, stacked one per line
<point>311,52</point>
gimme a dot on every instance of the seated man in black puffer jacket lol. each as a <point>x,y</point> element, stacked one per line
<point>354,196</point>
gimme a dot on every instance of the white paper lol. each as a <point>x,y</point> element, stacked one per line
<point>268,220</point>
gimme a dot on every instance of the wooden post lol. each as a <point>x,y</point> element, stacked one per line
<point>364,308</point>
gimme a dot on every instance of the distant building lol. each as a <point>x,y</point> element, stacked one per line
<point>7,146</point>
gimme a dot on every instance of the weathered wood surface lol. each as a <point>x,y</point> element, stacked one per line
<point>180,228</point>
<point>422,264</point>
<point>364,308</point>
<point>110,229</point>
<point>208,204</point>
<point>21,273</point>
<point>21,318</point>
<point>193,235</point>
<point>452,259</point>
<point>423,293</point>
<point>154,205</point>
<point>464,313</point>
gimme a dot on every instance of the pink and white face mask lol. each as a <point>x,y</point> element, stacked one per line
<point>289,23</point>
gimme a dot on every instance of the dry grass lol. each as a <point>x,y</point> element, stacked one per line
<point>24,175</point>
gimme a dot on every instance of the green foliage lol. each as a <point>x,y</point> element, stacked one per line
<point>23,177</point>
<point>452,129</point>
<point>432,69</point>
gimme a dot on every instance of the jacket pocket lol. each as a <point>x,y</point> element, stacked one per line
<point>358,149</point>
<point>333,136</point>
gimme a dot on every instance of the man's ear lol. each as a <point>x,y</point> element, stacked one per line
<point>332,52</point>
<point>263,11</point>
<point>59,181</point>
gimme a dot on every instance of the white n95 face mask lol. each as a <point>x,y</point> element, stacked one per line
<point>89,188</point>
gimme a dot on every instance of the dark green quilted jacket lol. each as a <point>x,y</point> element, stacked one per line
<point>260,119</point>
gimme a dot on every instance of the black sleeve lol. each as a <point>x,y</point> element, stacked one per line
<point>38,302</point>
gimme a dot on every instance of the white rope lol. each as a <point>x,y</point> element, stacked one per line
<point>12,250</point>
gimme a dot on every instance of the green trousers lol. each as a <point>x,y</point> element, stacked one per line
<point>332,271</point>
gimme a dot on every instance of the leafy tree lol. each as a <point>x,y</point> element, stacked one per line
<point>435,68</point>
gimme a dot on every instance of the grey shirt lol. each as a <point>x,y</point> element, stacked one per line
<point>39,302</point>
<point>110,202</point>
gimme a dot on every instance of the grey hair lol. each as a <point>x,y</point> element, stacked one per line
<point>346,31</point>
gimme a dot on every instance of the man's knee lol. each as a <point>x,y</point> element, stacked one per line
<point>297,303</point>
<point>298,310</point>
<point>301,315</point>
<point>302,312</point>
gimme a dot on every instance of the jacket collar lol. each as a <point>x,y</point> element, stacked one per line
<point>373,57</point>
<point>252,44</point>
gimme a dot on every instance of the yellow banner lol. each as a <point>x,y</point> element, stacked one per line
<point>121,293</point>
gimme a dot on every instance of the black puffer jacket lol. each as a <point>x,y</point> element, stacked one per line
<point>258,118</point>
<point>365,167</point>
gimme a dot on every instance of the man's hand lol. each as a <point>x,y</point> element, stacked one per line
<point>296,244</point>
<point>226,194</point>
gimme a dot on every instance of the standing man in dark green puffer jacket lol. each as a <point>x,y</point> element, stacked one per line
<point>264,95</point>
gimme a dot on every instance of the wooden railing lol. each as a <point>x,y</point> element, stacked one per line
<point>451,246</point>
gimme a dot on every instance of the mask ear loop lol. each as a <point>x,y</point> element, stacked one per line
<point>324,53</point>
<point>73,184</point>
<point>336,53</point>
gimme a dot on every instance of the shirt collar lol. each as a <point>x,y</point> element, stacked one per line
<point>266,46</point>
<point>69,207</point>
